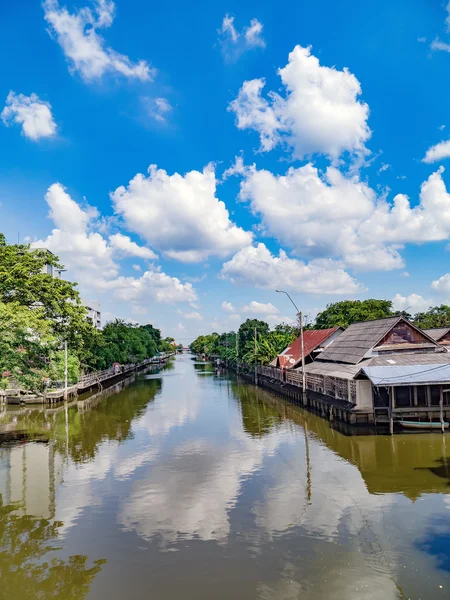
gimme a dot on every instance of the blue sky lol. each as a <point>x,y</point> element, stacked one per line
<point>299,147</point>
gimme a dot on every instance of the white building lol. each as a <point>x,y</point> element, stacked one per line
<point>94,313</point>
<point>48,268</point>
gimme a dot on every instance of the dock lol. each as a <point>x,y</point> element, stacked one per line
<point>96,380</point>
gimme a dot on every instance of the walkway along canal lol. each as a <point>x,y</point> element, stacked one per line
<point>186,483</point>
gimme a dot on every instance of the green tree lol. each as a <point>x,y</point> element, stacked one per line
<point>205,344</point>
<point>56,367</point>
<point>24,281</point>
<point>26,340</point>
<point>124,343</point>
<point>343,314</point>
<point>246,333</point>
<point>435,316</point>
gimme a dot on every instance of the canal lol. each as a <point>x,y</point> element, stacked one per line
<point>186,483</point>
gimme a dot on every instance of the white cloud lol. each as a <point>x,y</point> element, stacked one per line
<point>438,45</point>
<point>256,266</point>
<point>193,315</point>
<point>180,215</point>
<point>85,49</point>
<point>234,43</point>
<point>384,167</point>
<point>85,252</point>
<point>137,267</point>
<point>158,108</point>
<point>154,286</point>
<point>274,320</point>
<point>442,285</point>
<point>33,114</point>
<point>259,308</point>
<point>90,258</point>
<point>412,303</point>
<point>331,215</point>
<point>228,307</point>
<point>437,152</point>
<point>124,245</point>
<point>319,113</point>
<point>318,215</point>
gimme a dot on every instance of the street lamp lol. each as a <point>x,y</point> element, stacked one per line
<point>300,320</point>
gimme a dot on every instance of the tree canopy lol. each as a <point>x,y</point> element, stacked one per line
<point>23,280</point>
<point>436,316</point>
<point>39,312</point>
<point>346,312</point>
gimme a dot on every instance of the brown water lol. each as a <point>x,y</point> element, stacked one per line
<point>186,484</point>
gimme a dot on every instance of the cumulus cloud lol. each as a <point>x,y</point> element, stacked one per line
<point>86,50</point>
<point>319,112</point>
<point>86,252</point>
<point>234,43</point>
<point>228,307</point>
<point>124,245</point>
<point>90,258</point>
<point>437,152</point>
<point>193,315</point>
<point>412,303</point>
<point>332,215</point>
<point>442,285</point>
<point>256,266</point>
<point>318,216</point>
<point>180,215</point>
<point>152,286</point>
<point>34,115</point>
<point>259,308</point>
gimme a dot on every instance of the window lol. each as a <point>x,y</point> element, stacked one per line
<point>403,396</point>
<point>421,391</point>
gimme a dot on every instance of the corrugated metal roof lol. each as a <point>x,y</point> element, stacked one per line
<point>334,369</point>
<point>351,346</point>
<point>410,358</point>
<point>312,339</point>
<point>437,332</point>
<point>409,374</point>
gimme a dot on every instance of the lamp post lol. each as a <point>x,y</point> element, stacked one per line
<point>65,370</point>
<point>302,345</point>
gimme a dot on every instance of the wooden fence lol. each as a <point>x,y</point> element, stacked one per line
<point>336,387</point>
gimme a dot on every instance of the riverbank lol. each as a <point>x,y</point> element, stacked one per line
<point>88,382</point>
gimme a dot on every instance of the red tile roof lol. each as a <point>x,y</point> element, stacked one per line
<point>312,339</point>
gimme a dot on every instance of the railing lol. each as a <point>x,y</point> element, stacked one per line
<point>336,387</point>
<point>99,376</point>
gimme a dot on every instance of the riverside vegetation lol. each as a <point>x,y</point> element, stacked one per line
<point>38,313</point>
<point>241,346</point>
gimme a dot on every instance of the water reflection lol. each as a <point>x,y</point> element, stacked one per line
<point>29,568</point>
<point>205,487</point>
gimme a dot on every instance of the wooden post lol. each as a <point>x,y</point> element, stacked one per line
<point>391,420</point>
<point>256,372</point>
<point>441,409</point>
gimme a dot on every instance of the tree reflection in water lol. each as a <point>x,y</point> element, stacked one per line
<point>28,571</point>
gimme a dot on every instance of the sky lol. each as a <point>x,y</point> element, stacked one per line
<point>185,161</point>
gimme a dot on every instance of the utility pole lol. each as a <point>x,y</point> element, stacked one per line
<point>256,371</point>
<point>65,370</point>
<point>300,320</point>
